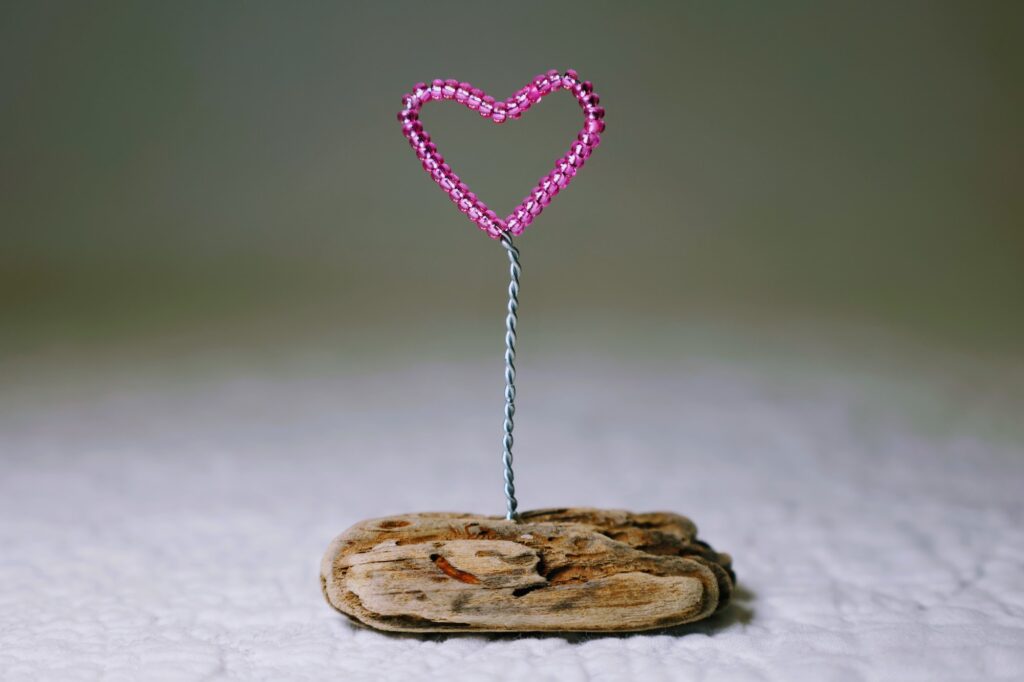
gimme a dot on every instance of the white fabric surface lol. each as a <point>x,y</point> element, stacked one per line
<point>168,523</point>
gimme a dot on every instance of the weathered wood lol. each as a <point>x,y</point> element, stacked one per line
<point>569,570</point>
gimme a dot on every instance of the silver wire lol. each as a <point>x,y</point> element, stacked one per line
<point>510,375</point>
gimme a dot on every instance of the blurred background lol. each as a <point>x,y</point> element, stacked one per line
<point>186,174</point>
<point>820,197</point>
<point>785,296</point>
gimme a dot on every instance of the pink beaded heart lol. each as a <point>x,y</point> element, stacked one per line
<point>499,112</point>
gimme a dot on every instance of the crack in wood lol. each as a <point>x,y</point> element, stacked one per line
<point>452,572</point>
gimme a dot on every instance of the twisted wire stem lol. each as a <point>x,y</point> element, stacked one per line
<point>510,375</point>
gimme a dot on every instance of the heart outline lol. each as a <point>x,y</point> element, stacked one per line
<point>548,187</point>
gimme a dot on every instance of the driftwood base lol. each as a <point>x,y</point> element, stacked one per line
<point>565,570</point>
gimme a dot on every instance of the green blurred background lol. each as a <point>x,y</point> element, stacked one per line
<point>193,175</point>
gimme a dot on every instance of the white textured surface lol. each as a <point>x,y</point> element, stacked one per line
<point>168,525</point>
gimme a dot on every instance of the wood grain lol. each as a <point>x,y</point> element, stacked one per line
<point>568,570</point>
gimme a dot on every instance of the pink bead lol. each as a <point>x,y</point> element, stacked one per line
<point>448,182</point>
<point>476,96</point>
<point>427,149</point>
<point>406,115</point>
<point>584,88</point>
<point>594,126</point>
<point>421,92</point>
<point>456,194</point>
<point>533,94</point>
<point>513,226</point>
<point>432,163</point>
<point>436,88</point>
<point>570,79</point>
<point>589,139</point>
<point>474,213</point>
<point>499,114</point>
<point>595,113</point>
<point>486,106</point>
<point>462,92</point>
<point>465,204</point>
<point>591,100</point>
<point>450,86</point>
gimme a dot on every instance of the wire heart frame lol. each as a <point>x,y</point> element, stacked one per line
<point>547,187</point>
